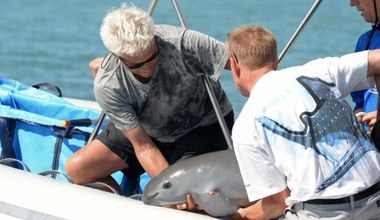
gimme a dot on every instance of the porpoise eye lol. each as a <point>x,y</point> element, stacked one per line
<point>166,185</point>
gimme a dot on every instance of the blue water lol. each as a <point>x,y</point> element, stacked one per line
<point>53,40</point>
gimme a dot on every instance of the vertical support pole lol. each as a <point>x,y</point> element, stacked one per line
<point>210,91</point>
<point>299,29</point>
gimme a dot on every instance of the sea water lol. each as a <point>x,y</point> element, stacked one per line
<point>54,40</point>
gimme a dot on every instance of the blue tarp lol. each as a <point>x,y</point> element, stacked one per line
<point>27,103</point>
<point>37,114</point>
<point>36,117</point>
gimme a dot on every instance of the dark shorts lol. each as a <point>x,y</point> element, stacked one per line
<point>198,141</point>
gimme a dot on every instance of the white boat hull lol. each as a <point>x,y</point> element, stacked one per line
<point>26,195</point>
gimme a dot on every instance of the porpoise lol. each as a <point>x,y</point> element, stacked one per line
<point>211,172</point>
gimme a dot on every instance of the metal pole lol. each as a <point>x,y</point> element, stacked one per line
<point>218,112</point>
<point>209,89</point>
<point>97,127</point>
<point>152,6</point>
<point>179,14</point>
<point>299,29</point>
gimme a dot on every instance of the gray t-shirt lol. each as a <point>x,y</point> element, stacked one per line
<point>175,100</point>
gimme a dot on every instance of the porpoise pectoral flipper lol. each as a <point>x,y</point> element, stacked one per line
<point>216,204</point>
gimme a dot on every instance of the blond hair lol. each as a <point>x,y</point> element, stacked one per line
<point>254,46</point>
<point>127,31</point>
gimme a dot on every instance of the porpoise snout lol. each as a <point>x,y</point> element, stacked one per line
<point>147,199</point>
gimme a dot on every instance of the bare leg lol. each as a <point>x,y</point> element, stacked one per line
<point>94,162</point>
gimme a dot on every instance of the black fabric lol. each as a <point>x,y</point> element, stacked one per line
<point>198,141</point>
<point>375,134</point>
<point>6,137</point>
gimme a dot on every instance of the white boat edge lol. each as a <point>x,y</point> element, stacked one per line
<point>83,103</point>
<point>25,195</point>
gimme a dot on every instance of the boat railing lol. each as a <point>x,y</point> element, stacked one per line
<point>294,37</point>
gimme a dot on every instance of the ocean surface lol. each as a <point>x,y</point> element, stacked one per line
<point>54,40</point>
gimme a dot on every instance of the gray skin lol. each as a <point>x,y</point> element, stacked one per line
<point>198,176</point>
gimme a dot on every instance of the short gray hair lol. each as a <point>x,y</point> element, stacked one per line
<point>127,31</point>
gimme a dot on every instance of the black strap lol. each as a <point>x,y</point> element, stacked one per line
<point>375,26</point>
<point>375,134</point>
<point>67,132</point>
<point>356,197</point>
<point>7,127</point>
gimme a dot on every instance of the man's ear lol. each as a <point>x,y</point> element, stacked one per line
<point>235,68</point>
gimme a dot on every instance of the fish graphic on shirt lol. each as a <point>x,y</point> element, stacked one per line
<point>325,134</point>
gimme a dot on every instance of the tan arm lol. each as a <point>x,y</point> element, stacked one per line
<point>149,156</point>
<point>374,63</point>
<point>94,65</point>
<point>266,208</point>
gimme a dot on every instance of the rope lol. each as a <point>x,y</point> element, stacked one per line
<point>6,161</point>
<point>53,173</point>
<point>97,185</point>
<point>136,196</point>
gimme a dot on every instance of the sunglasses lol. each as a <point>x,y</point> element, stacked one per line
<point>138,65</point>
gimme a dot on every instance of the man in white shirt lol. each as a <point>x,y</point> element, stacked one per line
<point>299,146</point>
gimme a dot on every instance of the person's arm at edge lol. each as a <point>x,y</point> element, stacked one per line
<point>266,208</point>
<point>94,65</point>
<point>149,156</point>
